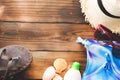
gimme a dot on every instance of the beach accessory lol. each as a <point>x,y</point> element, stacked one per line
<point>101,63</point>
<point>104,34</point>
<point>105,12</point>
<point>73,73</point>
<point>60,65</point>
<point>13,59</point>
<point>49,73</point>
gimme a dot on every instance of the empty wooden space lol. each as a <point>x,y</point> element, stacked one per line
<point>48,28</point>
<point>41,10</point>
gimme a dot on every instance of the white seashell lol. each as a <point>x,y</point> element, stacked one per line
<point>49,73</point>
<point>57,77</point>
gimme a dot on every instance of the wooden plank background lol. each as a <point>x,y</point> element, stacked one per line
<point>48,28</point>
<point>41,10</point>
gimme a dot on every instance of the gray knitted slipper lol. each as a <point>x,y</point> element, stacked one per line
<point>13,59</point>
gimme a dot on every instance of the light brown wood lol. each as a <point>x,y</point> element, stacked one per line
<point>36,36</point>
<point>42,11</point>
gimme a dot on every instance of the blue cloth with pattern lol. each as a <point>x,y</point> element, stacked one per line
<point>101,64</point>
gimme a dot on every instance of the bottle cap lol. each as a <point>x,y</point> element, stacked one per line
<point>76,66</point>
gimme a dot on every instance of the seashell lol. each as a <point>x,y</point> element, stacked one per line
<point>57,77</point>
<point>49,73</point>
<point>60,65</point>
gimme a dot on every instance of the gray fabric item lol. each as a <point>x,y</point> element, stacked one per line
<point>13,59</point>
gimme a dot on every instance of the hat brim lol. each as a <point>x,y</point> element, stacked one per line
<point>95,16</point>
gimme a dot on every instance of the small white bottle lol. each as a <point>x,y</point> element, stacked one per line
<point>73,73</point>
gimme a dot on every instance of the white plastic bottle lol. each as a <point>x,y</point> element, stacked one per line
<point>73,73</point>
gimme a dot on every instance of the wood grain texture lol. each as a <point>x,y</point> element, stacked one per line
<point>50,37</point>
<point>42,11</point>
<point>48,28</point>
<point>42,60</point>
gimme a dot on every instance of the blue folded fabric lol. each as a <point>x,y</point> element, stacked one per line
<point>101,64</point>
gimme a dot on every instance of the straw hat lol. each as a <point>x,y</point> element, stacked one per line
<point>105,12</point>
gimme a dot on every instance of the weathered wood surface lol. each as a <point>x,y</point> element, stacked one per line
<point>48,28</point>
<point>36,36</point>
<point>46,42</point>
<point>41,11</point>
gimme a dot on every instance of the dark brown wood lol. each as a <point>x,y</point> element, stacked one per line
<point>36,36</point>
<point>42,60</point>
<point>42,11</point>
